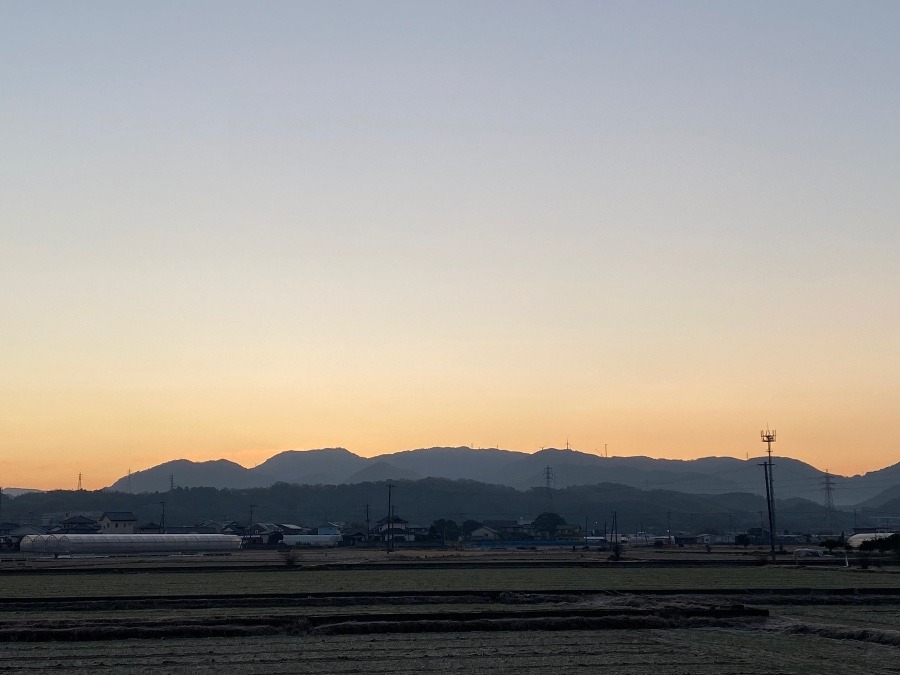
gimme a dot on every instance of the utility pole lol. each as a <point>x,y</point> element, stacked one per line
<point>829,501</point>
<point>171,482</point>
<point>368,527</point>
<point>768,437</point>
<point>162,518</point>
<point>390,528</point>
<point>250,522</point>
<point>765,466</point>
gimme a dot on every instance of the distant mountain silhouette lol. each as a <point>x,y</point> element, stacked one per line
<point>882,498</point>
<point>520,470</point>
<point>15,492</point>
<point>381,471</point>
<point>219,473</point>
<point>327,466</point>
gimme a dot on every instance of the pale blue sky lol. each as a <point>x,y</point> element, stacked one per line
<point>232,228</point>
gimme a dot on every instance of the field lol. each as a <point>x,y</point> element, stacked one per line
<point>656,652</point>
<point>429,614</point>
<point>128,580</point>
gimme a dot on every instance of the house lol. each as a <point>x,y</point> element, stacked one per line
<point>290,528</point>
<point>117,522</point>
<point>262,529</point>
<point>330,529</point>
<point>417,532</point>
<point>484,533</point>
<point>233,527</point>
<point>16,535</point>
<point>509,529</point>
<point>260,535</point>
<point>392,528</point>
<point>77,525</point>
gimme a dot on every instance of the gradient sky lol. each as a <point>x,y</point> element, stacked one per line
<point>229,229</point>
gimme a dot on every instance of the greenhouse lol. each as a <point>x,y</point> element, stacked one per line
<point>128,543</point>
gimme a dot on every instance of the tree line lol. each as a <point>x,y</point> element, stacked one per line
<point>427,501</point>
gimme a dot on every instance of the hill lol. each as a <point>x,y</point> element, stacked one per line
<point>336,466</point>
<point>15,492</point>
<point>219,473</point>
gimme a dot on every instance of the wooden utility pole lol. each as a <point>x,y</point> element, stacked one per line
<point>390,524</point>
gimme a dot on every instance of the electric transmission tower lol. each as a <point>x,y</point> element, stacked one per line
<point>829,501</point>
<point>548,481</point>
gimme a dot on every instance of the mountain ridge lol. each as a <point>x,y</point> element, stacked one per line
<point>568,467</point>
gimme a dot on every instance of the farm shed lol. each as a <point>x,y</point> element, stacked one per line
<point>129,543</point>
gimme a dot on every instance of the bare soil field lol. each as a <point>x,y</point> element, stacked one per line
<point>334,613</point>
<point>650,652</point>
<point>125,581</point>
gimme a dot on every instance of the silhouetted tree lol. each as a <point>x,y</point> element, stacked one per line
<point>832,544</point>
<point>549,522</point>
<point>443,530</point>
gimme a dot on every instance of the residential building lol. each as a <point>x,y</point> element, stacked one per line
<point>118,522</point>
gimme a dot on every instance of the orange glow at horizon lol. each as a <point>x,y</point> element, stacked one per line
<point>624,435</point>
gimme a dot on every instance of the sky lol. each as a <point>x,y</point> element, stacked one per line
<point>229,229</point>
